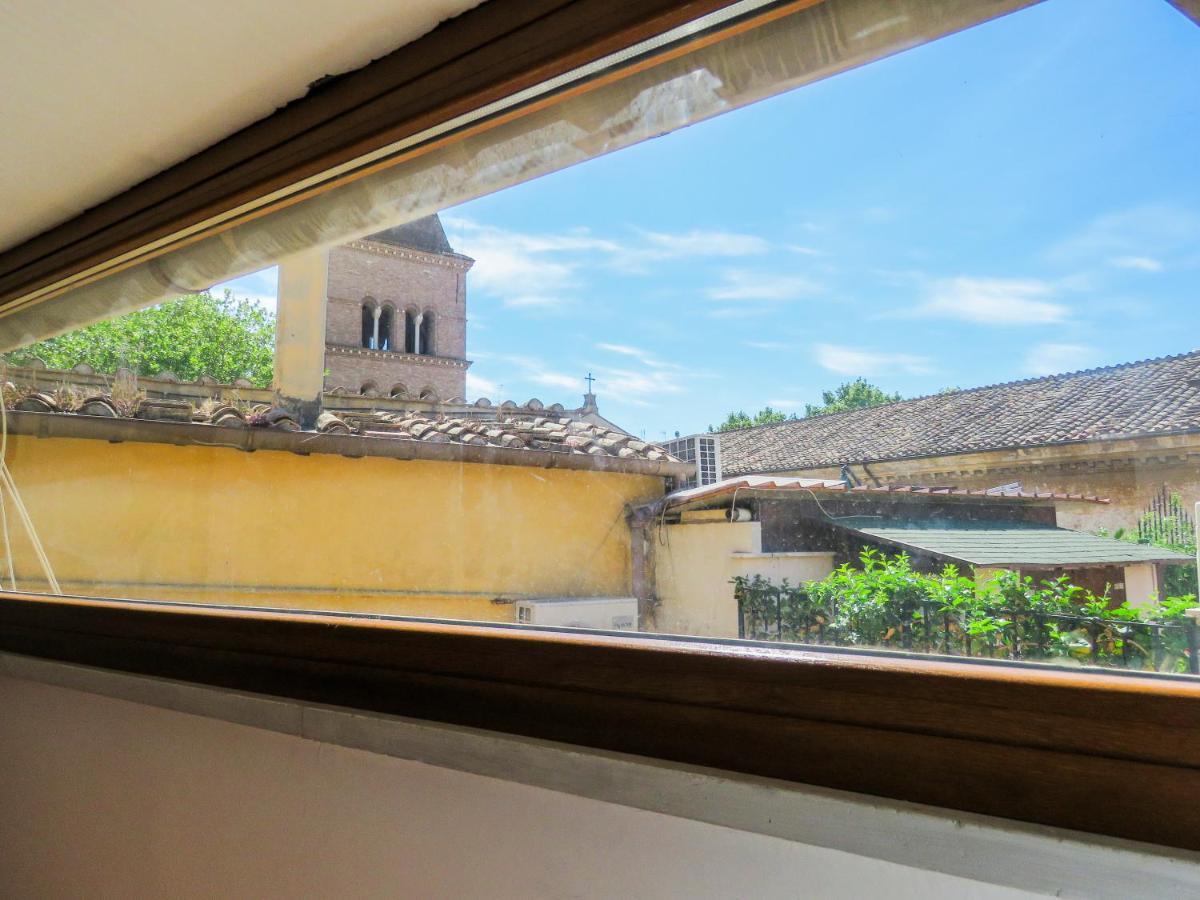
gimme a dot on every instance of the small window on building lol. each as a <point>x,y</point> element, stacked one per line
<point>410,331</point>
<point>369,389</point>
<point>525,615</point>
<point>368,325</point>
<point>425,345</point>
<point>384,335</point>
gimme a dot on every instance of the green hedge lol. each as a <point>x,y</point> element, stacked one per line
<point>885,603</point>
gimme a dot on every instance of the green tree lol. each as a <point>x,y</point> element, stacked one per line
<point>198,334</point>
<point>739,419</point>
<point>856,394</point>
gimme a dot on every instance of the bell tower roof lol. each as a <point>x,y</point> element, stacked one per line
<point>426,235</point>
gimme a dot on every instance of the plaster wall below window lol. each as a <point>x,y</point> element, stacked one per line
<point>105,797</point>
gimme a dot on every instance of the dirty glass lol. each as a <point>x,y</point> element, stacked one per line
<point>886,342</point>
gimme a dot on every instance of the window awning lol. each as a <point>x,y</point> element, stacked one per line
<point>1013,544</point>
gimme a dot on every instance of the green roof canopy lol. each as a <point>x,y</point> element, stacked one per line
<point>1015,544</point>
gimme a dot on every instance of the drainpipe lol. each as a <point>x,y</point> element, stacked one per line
<point>300,335</point>
<point>641,554</point>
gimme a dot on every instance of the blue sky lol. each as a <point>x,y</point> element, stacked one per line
<point>1019,199</point>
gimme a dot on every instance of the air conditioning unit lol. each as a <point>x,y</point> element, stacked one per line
<point>603,613</point>
<point>704,452</point>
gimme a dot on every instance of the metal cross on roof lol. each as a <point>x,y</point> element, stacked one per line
<point>589,380</point>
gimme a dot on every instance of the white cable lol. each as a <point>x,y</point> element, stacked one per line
<point>6,481</point>
<point>8,556</point>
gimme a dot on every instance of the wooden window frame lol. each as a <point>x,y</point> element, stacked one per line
<point>1109,754</point>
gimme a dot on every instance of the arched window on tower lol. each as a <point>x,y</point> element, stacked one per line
<point>385,329</point>
<point>410,331</point>
<point>368,325</point>
<point>427,334</point>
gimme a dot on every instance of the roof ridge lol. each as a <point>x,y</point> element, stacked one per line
<point>1057,375</point>
<point>983,387</point>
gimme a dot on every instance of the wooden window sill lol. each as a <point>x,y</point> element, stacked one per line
<point>1108,754</point>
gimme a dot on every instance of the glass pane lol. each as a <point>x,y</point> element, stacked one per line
<point>897,360</point>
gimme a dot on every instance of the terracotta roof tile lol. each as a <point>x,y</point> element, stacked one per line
<point>1149,397</point>
<point>559,435</point>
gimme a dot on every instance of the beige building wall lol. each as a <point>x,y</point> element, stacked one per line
<point>694,567</point>
<point>1141,584</point>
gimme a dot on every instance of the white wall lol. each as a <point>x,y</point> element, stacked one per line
<point>107,797</point>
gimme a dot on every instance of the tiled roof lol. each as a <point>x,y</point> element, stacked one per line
<point>983,544</point>
<point>751,483</point>
<point>540,433</point>
<point>424,234</point>
<point>1150,397</point>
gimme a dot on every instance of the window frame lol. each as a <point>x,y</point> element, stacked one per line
<point>1094,752</point>
<point>1100,753</point>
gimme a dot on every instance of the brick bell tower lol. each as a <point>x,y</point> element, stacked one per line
<point>396,318</point>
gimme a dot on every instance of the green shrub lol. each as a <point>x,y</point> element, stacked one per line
<point>886,603</point>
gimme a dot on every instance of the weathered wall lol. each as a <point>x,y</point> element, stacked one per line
<point>321,532</point>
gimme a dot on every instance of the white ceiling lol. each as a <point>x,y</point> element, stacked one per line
<point>95,97</point>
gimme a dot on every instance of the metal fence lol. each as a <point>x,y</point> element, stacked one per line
<point>1166,521</point>
<point>998,634</point>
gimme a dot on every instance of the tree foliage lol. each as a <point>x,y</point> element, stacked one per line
<point>223,337</point>
<point>739,419</point>
<point>887,603</point>
<point>856,394</point>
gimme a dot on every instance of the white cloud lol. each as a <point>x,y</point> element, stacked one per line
<point>544,272</point>
<point>533,272</point>
<point>623,349</point>
<point>481,387</point>
<point>738,312</point>
<point>805,251</point>
<point>1054,359</point>
<point>747,284</point>
<point>1142,263</point>
<point>767,345</point>
<point>704,243</point>
<point>636,387</point>
<point>644,357</point>
<point>993,301</point>
<point>1154,233</point>
<point>537,301</point>
<point>858,361</point>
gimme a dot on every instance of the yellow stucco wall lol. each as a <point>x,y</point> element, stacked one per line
<point>320,532</point>
<point>694,565</point>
